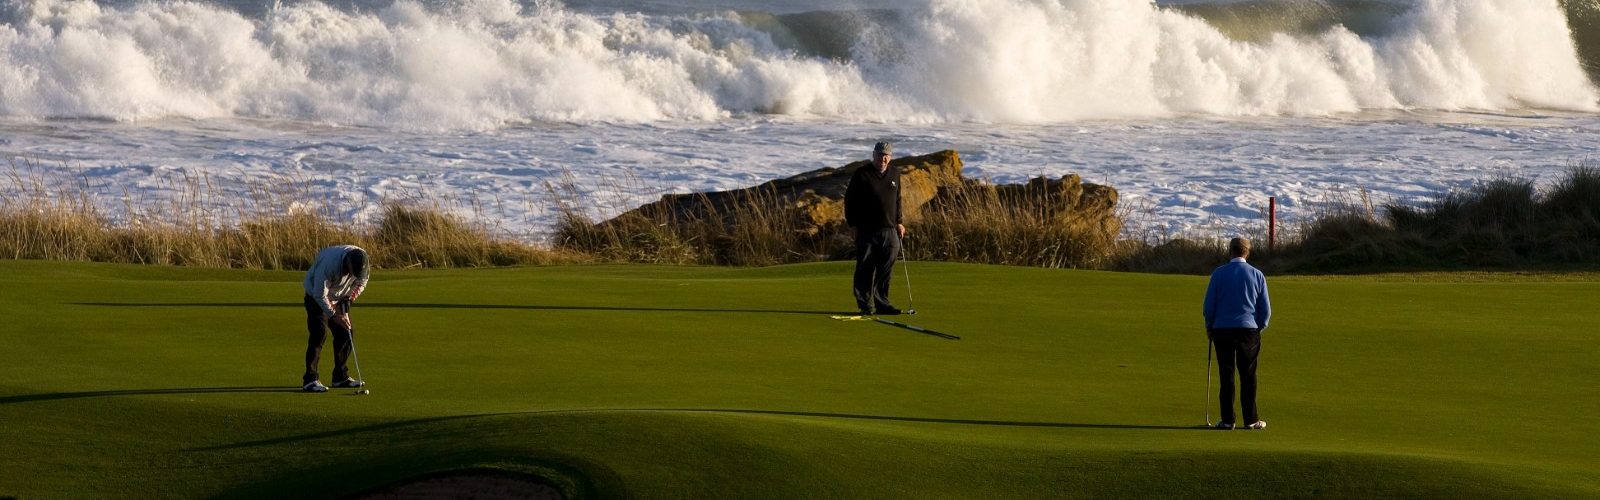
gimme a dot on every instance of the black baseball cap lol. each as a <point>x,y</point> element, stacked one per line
<point>355,261</point>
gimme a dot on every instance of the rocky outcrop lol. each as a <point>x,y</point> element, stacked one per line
<point>806,211</point>
<point>1068,196</point>
<point>815,199</point>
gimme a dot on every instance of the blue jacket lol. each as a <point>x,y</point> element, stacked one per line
<point>1237,297</point>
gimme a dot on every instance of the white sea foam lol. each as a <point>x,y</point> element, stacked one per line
<point>1183,176</point>
<point>1052,61</point>
<point>484,64</point>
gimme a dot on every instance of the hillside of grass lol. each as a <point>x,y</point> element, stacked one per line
<point>126,381</point>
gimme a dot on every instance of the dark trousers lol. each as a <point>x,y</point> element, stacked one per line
<point>875,254</point>
<point>1237,349</point>
<point>341,342</point>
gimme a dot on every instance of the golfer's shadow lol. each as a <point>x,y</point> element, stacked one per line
<point>930,420</point>
<point>822,415</point>
<point>526,307</point>
<point>52,396</point>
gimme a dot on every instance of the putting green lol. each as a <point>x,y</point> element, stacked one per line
<point>686,382</point>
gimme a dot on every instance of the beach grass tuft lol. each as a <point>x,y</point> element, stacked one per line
<point>273,227</point>
<point>1501,223</point>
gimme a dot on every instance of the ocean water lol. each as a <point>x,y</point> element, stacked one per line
<point>1196,111</point>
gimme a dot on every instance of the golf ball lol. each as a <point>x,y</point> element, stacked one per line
<point>363,391</point>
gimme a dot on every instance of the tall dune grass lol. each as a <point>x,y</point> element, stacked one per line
<point>1503,223</point>
<point>1498,224</point>
<point>1030,225</point>
<point>48,217</point>
<point>752,229</point>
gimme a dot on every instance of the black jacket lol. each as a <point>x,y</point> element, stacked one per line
<point>872,201</point>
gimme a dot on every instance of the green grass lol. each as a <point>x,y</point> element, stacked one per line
<point>684,382</point>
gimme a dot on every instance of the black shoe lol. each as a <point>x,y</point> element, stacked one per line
<point>889,311</point>
<point>866,312</point>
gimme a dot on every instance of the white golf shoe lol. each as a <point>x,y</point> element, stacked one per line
<point>315,386</point>
<point>349,382</point>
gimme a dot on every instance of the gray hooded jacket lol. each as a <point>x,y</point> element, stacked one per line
<point>326,281</point>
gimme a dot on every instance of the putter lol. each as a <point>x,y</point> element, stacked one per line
<point>355,357</point>
<point>905,270</point>
<point>911,303</point>
<point>1208,381</point>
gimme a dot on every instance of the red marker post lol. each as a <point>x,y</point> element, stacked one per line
<point>1272,222</point>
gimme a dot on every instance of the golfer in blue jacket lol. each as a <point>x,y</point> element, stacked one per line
<point>1237,310</point>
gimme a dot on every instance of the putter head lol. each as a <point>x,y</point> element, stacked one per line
<point>911,311</point>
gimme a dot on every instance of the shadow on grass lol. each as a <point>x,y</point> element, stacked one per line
<point>382,305</point>
<point>25,398</point>
<point>850,416</point>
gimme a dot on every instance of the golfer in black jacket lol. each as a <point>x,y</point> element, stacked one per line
<point>872,210</point>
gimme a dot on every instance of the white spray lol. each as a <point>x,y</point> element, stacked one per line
<point>482,64</point>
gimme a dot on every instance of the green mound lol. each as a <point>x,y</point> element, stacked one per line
<point>672,382</point>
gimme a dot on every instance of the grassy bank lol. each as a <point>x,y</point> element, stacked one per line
<point>1498,224</point>
<point>688,382</point>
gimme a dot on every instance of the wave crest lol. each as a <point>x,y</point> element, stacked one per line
<point>481,64</point>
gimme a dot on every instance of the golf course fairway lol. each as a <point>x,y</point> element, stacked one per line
<point>634,381</point>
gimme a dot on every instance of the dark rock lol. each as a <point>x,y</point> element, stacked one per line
<point>814,200</point>
<point>808,209</point>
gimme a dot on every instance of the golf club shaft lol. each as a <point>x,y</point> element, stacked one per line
<point>353,355</point>
<point>905,270</point>
<point>1208,380</point>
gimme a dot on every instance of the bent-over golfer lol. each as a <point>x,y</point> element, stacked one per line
<point>872,210</point>
<point>336,278</point>
<point>1237,310</point>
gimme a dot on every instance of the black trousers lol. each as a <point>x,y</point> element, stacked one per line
<point>1237,349</point>
<point>876,251</point>
<point>341,342</point>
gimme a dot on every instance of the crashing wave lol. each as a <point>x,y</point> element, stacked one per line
<point>482,64</point>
